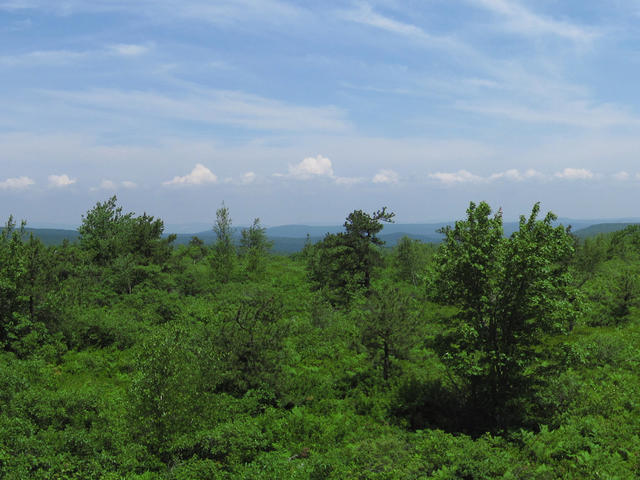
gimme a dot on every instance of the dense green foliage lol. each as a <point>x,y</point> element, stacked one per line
<point>510,292</point>
<point>124,356</point>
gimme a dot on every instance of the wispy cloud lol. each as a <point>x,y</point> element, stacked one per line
<point>128,49</point>
<point>12,5</point>
<point>366,15</point>
<point>209,106</point>
<point>523,21</point>
<point>200,175</point>
<point>232,11</point>
<point>218,12</point>
<point>52,58</point>
<point>61,181</point>
<point>42,57</point>
<point>16,183</point>
<point>576,113</point>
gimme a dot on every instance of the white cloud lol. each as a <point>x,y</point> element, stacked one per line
<point>200,175</point>
<point>128,50</point>
<point>386,176</point>
<point>310,167</point>
<point>461,176</point>
<point>464,176</point>
<point>16,183</point>
<point>318,167</point>
<point>621,176</point>
<point>248,178</point>
<point>129,184</point>
<point>575,174</point>
<point>60,181</point>
<point>515,175</point>
<point>511,174</point>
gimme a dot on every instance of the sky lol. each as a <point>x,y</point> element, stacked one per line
<point>300,112</point>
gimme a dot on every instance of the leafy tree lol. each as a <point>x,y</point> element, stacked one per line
<point>410,260</point>
<point>145,240</point>
<point>361,236</point>
<point>626,293</point>
<point>125,249</point>
<point>625,243</point>
<point>251,338</point>
<point>177,370</point>
<point>343,263</point>
<point>254,246</point>
<point>224,251</point>
<point>510,292</point>
<point>613,292</point>
<point>197,249</point>
<point>388,325</point>
<point>102,231</point>
<point>589,255</point>
<point>34,267</point>
<point>14,305</point>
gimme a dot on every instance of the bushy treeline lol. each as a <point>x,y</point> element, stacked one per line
<point>123,356</point>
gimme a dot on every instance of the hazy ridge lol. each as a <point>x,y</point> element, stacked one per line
<point>291,238</point>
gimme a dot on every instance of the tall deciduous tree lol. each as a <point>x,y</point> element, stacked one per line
<point>509,291</point>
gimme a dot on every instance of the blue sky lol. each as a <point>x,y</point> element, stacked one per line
<point>304,111</point>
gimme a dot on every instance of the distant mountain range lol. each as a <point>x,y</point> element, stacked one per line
<point>291,238</point>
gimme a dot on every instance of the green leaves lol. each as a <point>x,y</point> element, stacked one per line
<point>510,292</point>
<point>254,247</point>
<point>343,264</point>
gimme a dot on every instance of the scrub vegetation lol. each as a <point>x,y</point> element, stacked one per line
<point>487,356</point>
